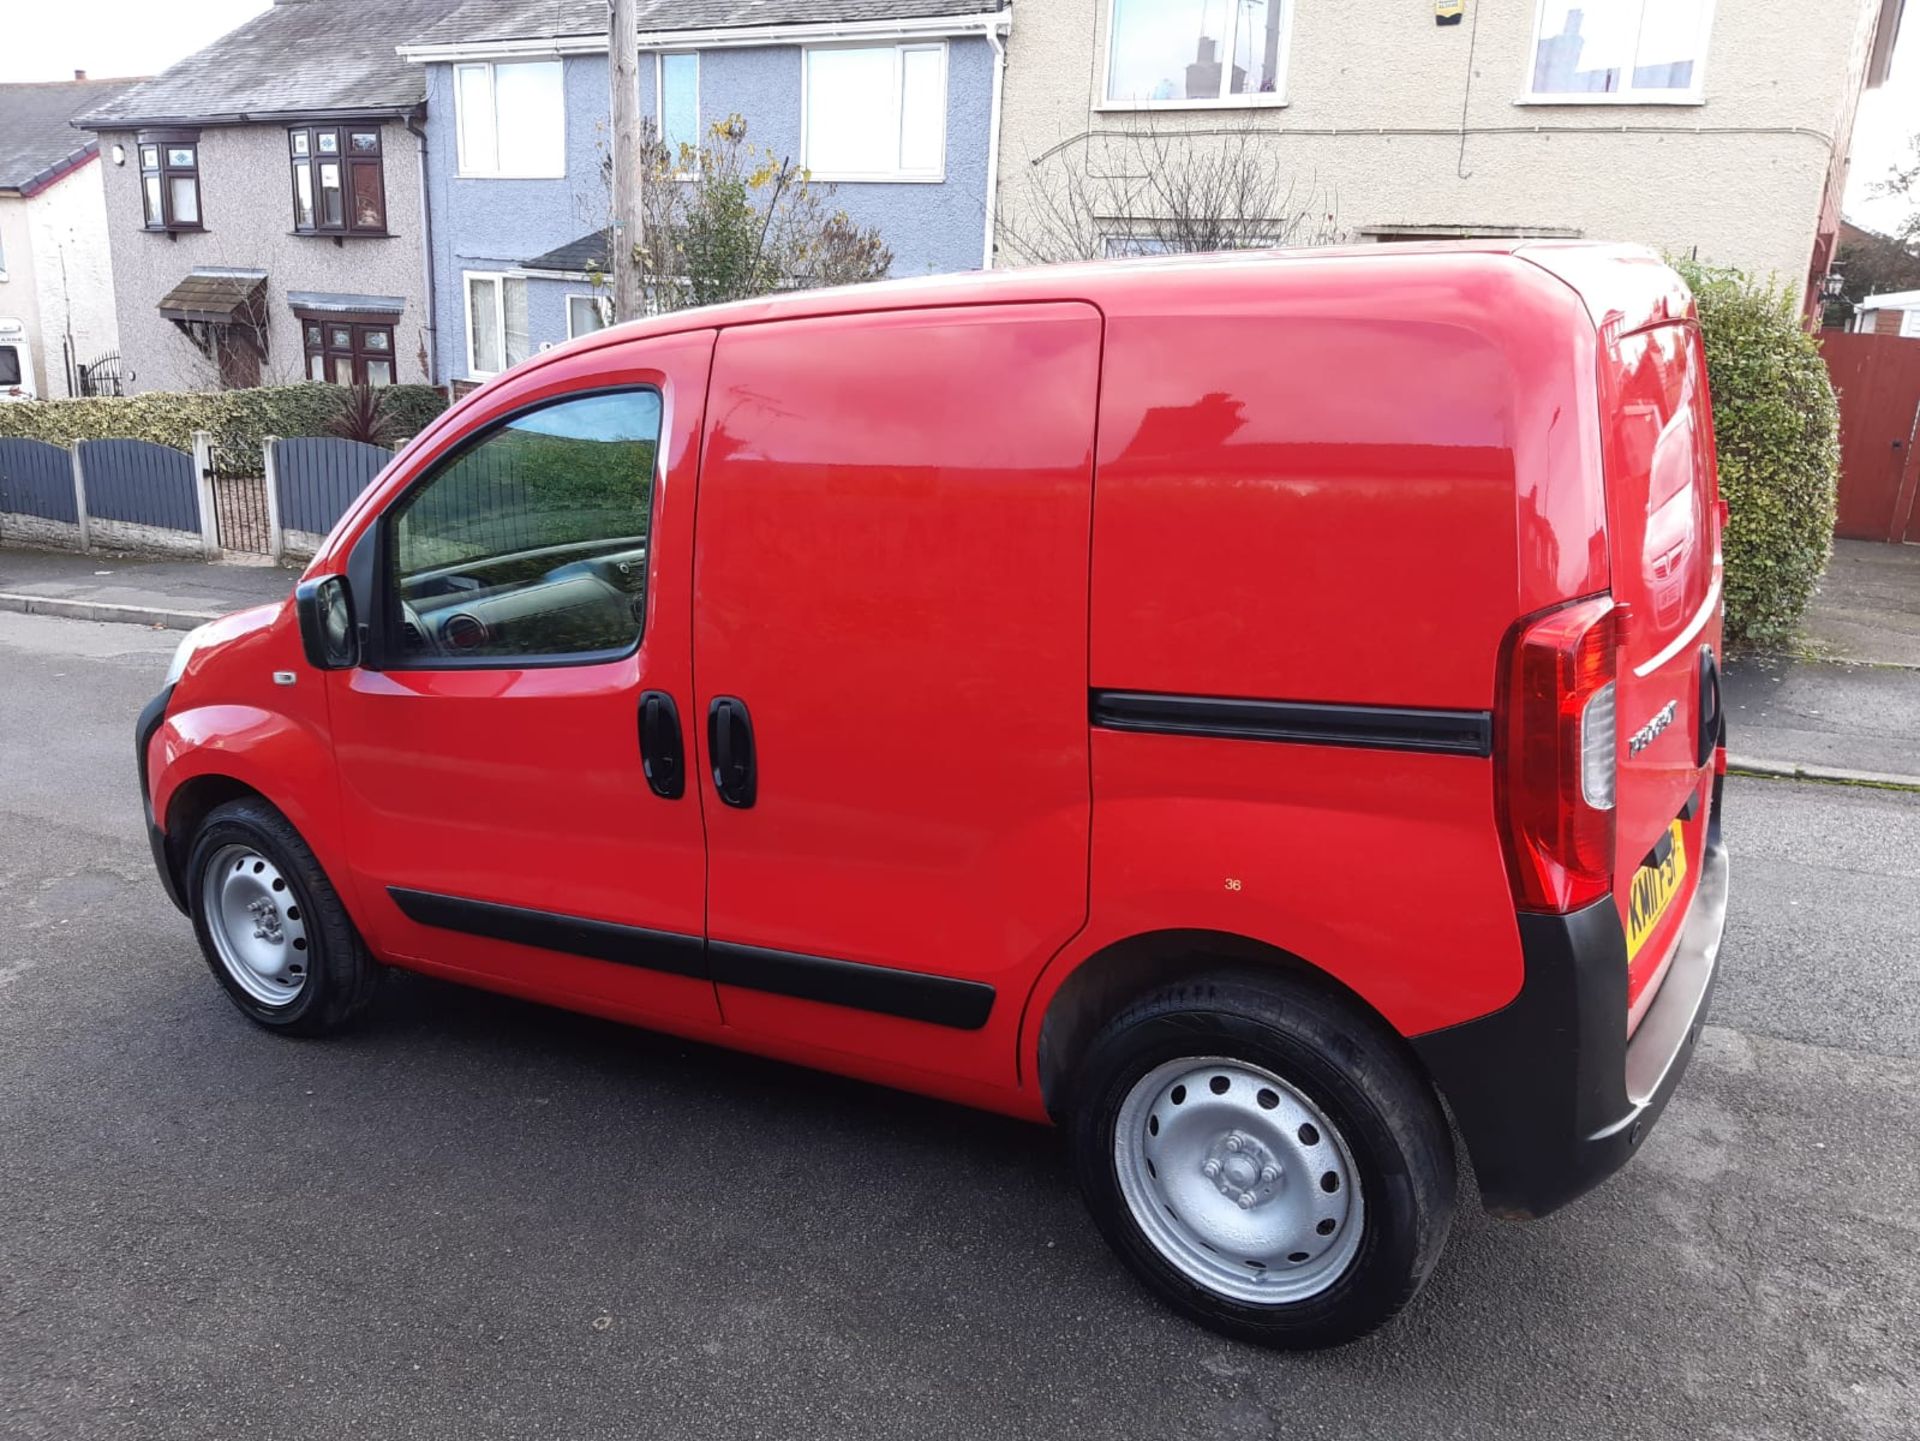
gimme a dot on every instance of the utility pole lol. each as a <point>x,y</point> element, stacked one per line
<point>623,64</point>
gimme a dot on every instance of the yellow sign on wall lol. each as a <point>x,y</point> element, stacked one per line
<point>1448,12</point>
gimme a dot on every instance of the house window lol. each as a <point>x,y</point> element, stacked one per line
<point>876,112</point>
<point>1185,53</point>
<point>679,89</point>
<point>586,314</point>
<point>339,187</point>
<point>347,349</point>
<point>1910,322</point>
<point>511,119</point>
<point>1619,50</point>
<point>170,179</point>
<point>496,322</point>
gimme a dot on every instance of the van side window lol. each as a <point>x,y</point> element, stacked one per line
<point>531,544</point>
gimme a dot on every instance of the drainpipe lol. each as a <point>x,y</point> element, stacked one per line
<point>426,232</point>
<point>992,31</point>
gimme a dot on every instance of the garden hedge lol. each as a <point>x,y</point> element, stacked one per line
<point>239,420</point>
<point>1777,428</point>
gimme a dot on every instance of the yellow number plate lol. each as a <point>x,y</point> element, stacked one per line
<point>1654,888</point>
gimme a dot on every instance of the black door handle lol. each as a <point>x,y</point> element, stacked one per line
<point>730,746</point>
<point>662,756</point>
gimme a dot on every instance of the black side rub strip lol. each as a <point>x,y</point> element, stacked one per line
<point>941,1000</point>
<point>1443,732</point>
<point>667,951</point>
<point>938,1000</point>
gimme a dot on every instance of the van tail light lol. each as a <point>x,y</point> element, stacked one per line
<point>1557,754</point>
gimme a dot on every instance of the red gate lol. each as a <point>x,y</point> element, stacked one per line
<point>1878,377</point>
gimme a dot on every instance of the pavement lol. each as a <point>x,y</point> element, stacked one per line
<point>1847,707</point>
<point>473,1216</point>
<point>172,594</point>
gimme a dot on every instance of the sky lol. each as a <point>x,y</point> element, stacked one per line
<point>50,39</point>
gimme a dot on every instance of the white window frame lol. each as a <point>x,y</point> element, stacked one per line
<point>1264,100</point>
<point>499,278</point>
<point>1910,322</point>
<point>890,177</point>
<point>465,170</point>
<point>601,302</point>
<point>660,98</point>
<point>1696,94</point>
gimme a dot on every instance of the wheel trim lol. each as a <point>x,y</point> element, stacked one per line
<point>257,925</point>
<point>1248,1191</point>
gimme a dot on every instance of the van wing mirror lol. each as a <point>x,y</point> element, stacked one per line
<point>327,631</point>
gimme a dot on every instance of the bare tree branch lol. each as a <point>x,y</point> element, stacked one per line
<point>1154,188</point>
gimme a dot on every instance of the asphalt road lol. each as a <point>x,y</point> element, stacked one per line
<point>476,1217</point>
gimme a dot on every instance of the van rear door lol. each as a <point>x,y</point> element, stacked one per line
<point>1663,521</point>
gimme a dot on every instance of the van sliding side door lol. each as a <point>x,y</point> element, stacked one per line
<point>890,655</point>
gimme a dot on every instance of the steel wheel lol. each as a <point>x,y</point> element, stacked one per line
<point>256,924</point>
<point>1238,1180</point>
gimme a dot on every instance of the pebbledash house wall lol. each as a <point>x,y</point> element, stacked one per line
<point>487,224</point>
<point>246,205</point>
<point>492,224</point>
<point>1393,123</point>
<point>67,228</point>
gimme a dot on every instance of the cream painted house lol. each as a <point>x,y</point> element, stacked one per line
<point>1710,127</point>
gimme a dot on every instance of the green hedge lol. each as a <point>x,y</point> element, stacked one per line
<point>1777,428</point>
<point>240,420</point>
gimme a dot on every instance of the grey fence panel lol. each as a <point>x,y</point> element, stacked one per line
<point>37,479</point>
<point>140,482</point>
<point>319,477</point>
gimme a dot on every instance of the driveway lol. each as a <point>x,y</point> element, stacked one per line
<point>476,1217</point>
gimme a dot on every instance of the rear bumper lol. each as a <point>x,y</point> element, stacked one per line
<point>1550,1094</point>
<point>151,718</point>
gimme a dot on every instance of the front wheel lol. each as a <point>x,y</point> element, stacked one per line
<point>1264,1157</point>
<point>270,924</point>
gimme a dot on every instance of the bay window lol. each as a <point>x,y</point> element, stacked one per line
<point>347,348</point>
<point>170,179</point>
<point>1197,53</point>
<point>339,187</point>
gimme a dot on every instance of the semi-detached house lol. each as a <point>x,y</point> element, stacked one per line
<point>893,102</point>
<point>264,204</point>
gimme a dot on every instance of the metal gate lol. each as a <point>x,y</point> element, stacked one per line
<point>1878,377</point>
<point>240,513</point>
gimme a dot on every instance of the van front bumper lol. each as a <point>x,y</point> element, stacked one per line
<point>1550,1094</point>
<point>144,729</point>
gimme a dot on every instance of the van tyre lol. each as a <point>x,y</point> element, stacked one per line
<point>271,925</point>
<point>1265,1157</point>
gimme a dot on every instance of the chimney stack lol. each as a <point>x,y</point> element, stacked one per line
<point>79,75</point>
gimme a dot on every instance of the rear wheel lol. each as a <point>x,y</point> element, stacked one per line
<point>270,924</point>
<point>1264,1157</point>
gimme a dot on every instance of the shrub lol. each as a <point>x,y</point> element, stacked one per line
<point>1777,428</point>
<point>239,420</point>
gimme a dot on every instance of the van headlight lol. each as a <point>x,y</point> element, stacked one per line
<point>189,643</point>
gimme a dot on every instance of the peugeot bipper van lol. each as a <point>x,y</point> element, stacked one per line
<point>1241,709</point>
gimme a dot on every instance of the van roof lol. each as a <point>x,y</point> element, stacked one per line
<point>1624,287</point>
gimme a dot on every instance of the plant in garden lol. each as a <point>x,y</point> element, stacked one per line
<point>724,221</point>
<point>365,417</point>
<point>1777,429</point>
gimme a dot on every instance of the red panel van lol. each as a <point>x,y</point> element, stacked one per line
<point>1257,712</point>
